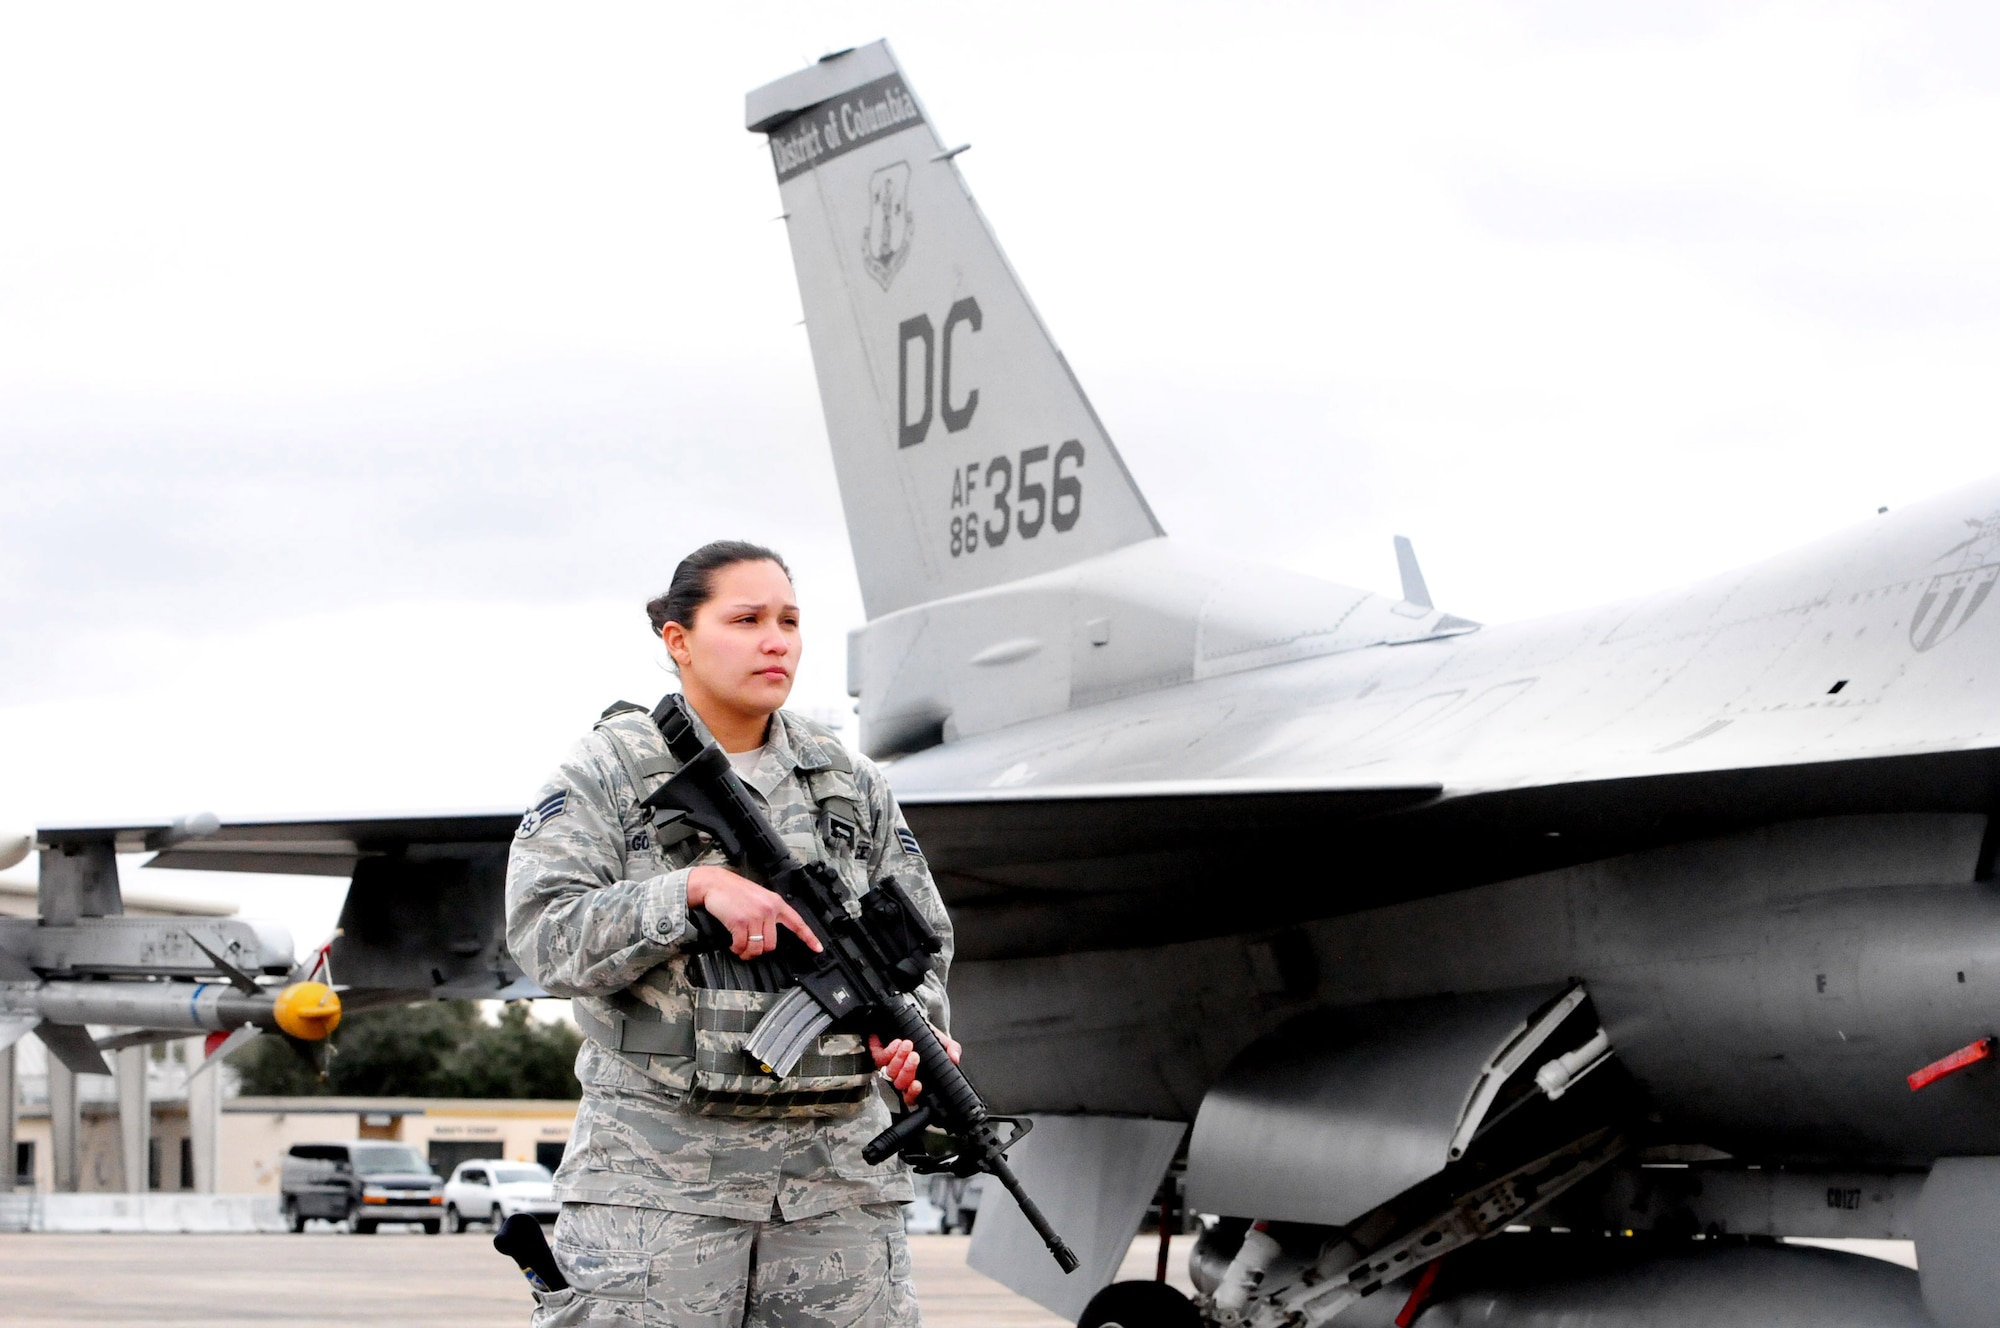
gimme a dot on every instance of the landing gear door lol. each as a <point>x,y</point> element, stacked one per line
<point>1957,1229</point>
<point>1093,1176</point>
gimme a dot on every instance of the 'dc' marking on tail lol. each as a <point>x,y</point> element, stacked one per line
<point>918,332</point>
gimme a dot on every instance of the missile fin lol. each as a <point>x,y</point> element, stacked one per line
<point>315,1056</point>
<point>221,1053</point>
<point>71,1044</point>
<point>141,1037</point>
<point>318,964</point>
<point>238,979</point>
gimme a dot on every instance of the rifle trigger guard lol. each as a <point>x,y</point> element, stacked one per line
<point>1021,1124</point>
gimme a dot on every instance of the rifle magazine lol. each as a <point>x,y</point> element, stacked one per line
<point>790,1029</point>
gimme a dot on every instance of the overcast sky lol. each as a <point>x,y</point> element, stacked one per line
<point>364,369</point>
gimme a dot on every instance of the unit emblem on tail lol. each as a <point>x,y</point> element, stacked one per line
<point>1951,598</point>
<point>1948,602</point>
<point>885,240</point>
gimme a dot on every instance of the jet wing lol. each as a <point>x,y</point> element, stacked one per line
<point>331,847</point>
<point>423,916</point>
<point>1060,869</point>
<point>1056,870</point>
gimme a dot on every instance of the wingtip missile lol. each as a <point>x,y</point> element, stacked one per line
<point>305,1012</point>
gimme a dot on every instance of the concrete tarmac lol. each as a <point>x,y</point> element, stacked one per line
<point>396,1279</point>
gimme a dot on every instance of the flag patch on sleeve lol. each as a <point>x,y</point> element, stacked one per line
<point>542,813</point>
<point>908,841</point>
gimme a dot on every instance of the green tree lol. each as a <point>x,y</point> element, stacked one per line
<point>437,1049</point>
<point>517,1057</point>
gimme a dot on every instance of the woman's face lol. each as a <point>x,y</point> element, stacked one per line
<point>743,646</point>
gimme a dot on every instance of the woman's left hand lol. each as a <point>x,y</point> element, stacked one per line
<point>898,1063</point>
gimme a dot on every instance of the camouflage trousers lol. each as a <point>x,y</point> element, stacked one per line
<point>629,1266</point>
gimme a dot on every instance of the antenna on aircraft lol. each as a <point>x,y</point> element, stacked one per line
<point>1414,589</point>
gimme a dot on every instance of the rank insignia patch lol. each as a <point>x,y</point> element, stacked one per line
<point>542,813</point>
<point>908,841</point>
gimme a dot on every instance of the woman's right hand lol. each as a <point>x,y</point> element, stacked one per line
<point>752,913</point>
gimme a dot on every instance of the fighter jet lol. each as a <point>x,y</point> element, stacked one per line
<point>1530,973</point>
<point>1673,918</point>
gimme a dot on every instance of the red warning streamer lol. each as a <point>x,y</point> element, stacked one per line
<point>1951,1064</point>
<point>1419,1294</point>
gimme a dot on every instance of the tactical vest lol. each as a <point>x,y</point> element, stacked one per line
<point>683,1023</point>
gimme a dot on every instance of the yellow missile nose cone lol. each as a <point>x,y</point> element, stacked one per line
<point>307,1010</point>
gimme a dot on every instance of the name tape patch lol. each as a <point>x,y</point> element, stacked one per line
<point>542,813</point>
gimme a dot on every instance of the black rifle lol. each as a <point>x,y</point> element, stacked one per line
<point>862,978</point>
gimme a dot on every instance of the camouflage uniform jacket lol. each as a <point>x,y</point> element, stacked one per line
<point>594,909</point>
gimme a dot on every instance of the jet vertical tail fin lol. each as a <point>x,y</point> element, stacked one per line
<point>966,451</point>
